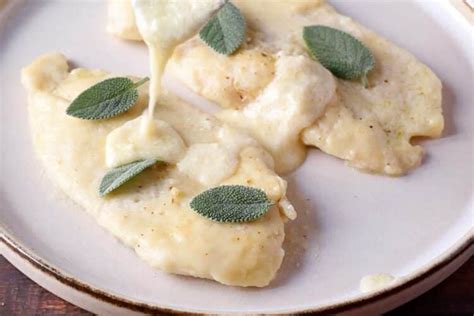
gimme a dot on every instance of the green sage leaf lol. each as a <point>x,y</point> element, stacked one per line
<point>225,31</point>
<point>231,204</point>
<point>341,53</point>
<point>105,99</point>
<point>118,176</point>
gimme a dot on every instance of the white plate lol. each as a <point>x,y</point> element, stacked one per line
<point>417,228</point>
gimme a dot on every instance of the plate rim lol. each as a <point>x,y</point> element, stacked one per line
<point>463,246</point>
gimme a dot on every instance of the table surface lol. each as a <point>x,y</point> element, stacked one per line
<point>21,296</point>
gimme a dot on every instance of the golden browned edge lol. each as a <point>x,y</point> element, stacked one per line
<point>464,245</point>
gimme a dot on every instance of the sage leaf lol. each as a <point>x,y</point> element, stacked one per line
<point>118,176</point>
<point>225,31</point>
<point>105,99</point>
<point>341,53</point>
<point>231,204</point>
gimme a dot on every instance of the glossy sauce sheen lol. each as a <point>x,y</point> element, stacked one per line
<point>164,24</point>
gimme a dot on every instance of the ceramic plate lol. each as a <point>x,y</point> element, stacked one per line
<point>417,228</point>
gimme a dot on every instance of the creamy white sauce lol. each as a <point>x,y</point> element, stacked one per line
<point>157,59</point>
<point>375,282</point>
<point>126,143</point>
<point>212,163</point>
<point>287,208</point>
<point>163,24</point>
<point>292,101</point>
<point>121,20</point>
<point>209,164</point>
